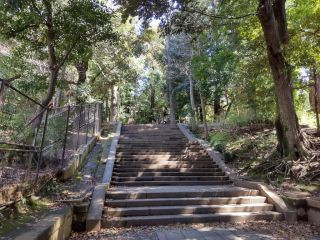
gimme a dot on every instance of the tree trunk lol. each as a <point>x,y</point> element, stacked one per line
<point>316,98</point>
<point>273,21</point>
<point>82,69</point>
<point>114,115</point>
<point>152,103</point>
<point>217,109</point>
<point>192,102</point>
<point>204,117</point>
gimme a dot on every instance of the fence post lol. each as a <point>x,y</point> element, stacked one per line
<point>42,145</point>
<point>79,124</point>
<point>65,137</point>
<point>94,132</point>
<point>98,119</point>
<point>88,120</point>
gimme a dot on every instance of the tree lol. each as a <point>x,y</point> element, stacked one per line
<point>272,16</point>
<point>54,30</point>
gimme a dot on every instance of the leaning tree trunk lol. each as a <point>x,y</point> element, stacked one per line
<point>204,117</point>
<point>272,17</point>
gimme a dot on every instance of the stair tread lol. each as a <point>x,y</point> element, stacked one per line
<point>239,214</point>
<point>190,198</point>
<point>192,206</point>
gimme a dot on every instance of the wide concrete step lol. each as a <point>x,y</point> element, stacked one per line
<point>158,174</point>
<point>124,140</point>
<point>162,154</point>
<point>171,178</point>
<point>179,192</point>
<point>192,209</point>
<point>126,169</point>
<point>171,183</point>
<point>184,201</point>
<point>164,165</point>
<point>157,157</point>
<point>159,150</point>
<point>163,159</point>
<point>165,162</point>
<point>143,146</point>
<point>191,218</point>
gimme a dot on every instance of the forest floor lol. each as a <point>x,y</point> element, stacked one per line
<point>247,149</point>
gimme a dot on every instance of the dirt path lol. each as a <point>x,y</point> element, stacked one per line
<point>252,230</point>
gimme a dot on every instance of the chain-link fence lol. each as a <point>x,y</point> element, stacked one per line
<point>37,141</point>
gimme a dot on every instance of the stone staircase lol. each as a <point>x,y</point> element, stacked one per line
<point>161,178</point>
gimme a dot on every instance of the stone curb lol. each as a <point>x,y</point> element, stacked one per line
<point>93,222</point>
<point>272,197</point>
<point>313,211</point>
<point>77,160</point>
<point>55,226</point>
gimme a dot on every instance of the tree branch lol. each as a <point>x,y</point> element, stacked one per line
<point>228,17</point>
<point>64,59</point>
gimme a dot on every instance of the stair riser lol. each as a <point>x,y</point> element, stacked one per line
<point>190,219</point>
<point>183,202</point>
<point>167,170</point>
<point>160,166</point>
<point>170,183</point>
<point>194,178</point>
<point>144,151</point>
<point>164,154</point>
<point>182,210</point>
<point>182,194</point>
<point>164,174</point>
<point>160,160</point>
<point>166,146</point>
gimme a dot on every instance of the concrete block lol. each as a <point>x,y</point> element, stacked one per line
<point>314,216</point>
<point>55,226</point>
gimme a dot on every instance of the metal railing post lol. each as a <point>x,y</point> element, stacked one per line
<point>79,125</point>
<point>65,137</point>
<point>88,120</point>
<point>94,129</point>
<point>42,145</point>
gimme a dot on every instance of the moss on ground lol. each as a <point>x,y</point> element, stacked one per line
<point>22,212</point>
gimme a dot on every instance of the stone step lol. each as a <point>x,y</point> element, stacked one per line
<point>116,169</point>
<point>157,174</point>
<point>184,201</point>
<point>161,154</point>
<point>161,151</point>
<point>170,183</point>
<point>140,145</point>
<point>160,167</point>
<point>191,218</point>
<point>166,159</point>
<point>165,150</point>
<point>166,164</point>
<point>192,209</point>
<point>171,178</point>
<point>150,142</point>
<point>207,191</point>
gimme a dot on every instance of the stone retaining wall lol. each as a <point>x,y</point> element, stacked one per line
<point>77,160</point>
<point>308,208</point>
